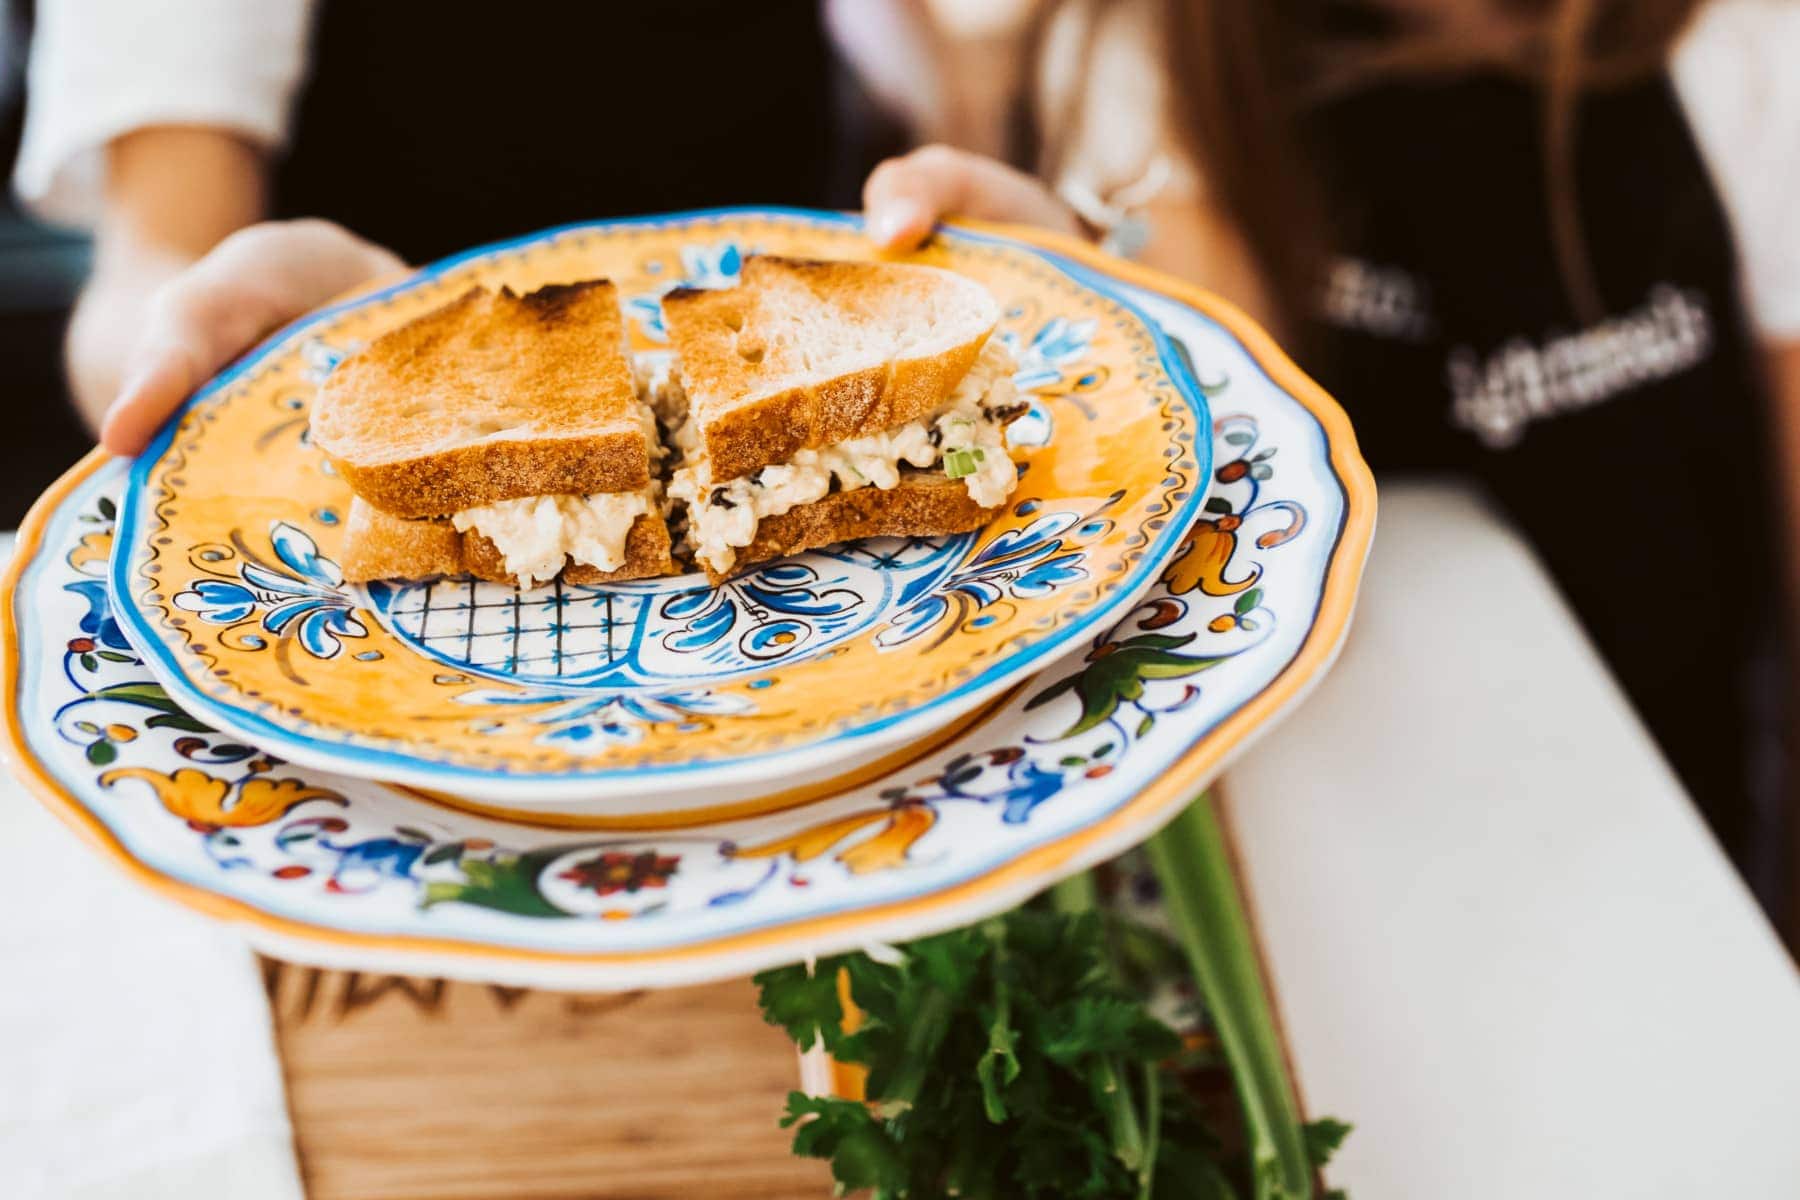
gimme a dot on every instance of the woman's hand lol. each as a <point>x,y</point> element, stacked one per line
<point>251,283</point>
<point>905,197</point>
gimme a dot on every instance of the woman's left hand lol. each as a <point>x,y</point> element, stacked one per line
<point>905,197</point>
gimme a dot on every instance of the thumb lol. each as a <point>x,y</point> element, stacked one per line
<point>251,283</point>
<point>159,380</point>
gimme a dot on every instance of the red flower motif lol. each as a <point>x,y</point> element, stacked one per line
<point>613,871</point>
<point>81,645</point>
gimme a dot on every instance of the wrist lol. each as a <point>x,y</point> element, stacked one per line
<point>1118,221</point>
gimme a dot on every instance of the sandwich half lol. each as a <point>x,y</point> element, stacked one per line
<point>827,401</point>
<point>501,436</point>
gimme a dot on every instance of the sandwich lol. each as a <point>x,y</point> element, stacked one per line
<point>829,401</point>
<point>501,436</point>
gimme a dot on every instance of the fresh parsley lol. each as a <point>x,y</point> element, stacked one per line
<point>1017,1058</point>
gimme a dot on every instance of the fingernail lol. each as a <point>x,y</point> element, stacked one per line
<point>114,435</point>
<point>895,218</point>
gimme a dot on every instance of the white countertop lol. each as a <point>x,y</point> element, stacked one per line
<point>1506,947</point>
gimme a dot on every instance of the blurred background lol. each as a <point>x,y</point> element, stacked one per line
<point>41,270</point>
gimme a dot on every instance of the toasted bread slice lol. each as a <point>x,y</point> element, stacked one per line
<point>807,353</point>
<point>492,397</point>
<point>924,504</point>
<point>378,545</point>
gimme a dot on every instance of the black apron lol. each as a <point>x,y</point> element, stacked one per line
<point>431,126</point>
<point>1633,452</point>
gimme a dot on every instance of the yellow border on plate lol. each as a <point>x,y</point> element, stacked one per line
<point>1160,800</point>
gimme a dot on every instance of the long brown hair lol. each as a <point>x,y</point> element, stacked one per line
<point>1242,74</point>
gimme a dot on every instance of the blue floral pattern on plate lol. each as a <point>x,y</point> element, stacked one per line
<point>304,597</point>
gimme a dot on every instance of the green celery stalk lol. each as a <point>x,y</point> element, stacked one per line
<point>1199,892</point>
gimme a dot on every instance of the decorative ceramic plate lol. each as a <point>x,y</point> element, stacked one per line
<point>230,525</point>
<point>1073,766</point>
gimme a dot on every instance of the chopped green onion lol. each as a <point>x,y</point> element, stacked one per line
<point>963,461</point>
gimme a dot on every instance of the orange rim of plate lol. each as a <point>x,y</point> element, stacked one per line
<point>1160,800</point>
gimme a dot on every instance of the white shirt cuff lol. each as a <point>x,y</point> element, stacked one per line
<point>102,68</point>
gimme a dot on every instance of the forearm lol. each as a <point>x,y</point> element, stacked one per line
<point>979,58</point>
<point>1190,239</point>
<point>172,194</point>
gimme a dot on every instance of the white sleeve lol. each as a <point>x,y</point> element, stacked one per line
<point>1102,67</point>
<point>1737,72</point>
<point>101,68</point>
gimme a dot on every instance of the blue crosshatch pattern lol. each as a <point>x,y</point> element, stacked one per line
<point>556,631</point>
<point>657,632</point>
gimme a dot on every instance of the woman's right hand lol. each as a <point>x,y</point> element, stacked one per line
<point>249,285</point>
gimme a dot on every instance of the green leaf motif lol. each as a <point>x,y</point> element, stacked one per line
<point>1119,673</point>
<point>151,695</point>
<point>1248,601</point>
<point>178,720</point>
<point>505,883</point>
<point>102,752</point>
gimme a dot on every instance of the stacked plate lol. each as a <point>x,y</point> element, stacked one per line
<point>661,781</point>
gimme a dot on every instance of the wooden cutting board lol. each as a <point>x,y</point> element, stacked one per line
<point>416,1088</point>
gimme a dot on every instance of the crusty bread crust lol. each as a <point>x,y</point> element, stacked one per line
<point>808,353</point>
<point>491,397</point>
<point>924,504</point>
<point>378,545</point>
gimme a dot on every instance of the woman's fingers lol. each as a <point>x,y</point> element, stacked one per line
<point>249,284</point>
<point>905,197</point>
<point>157,385</point>
<point>902,222</point>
